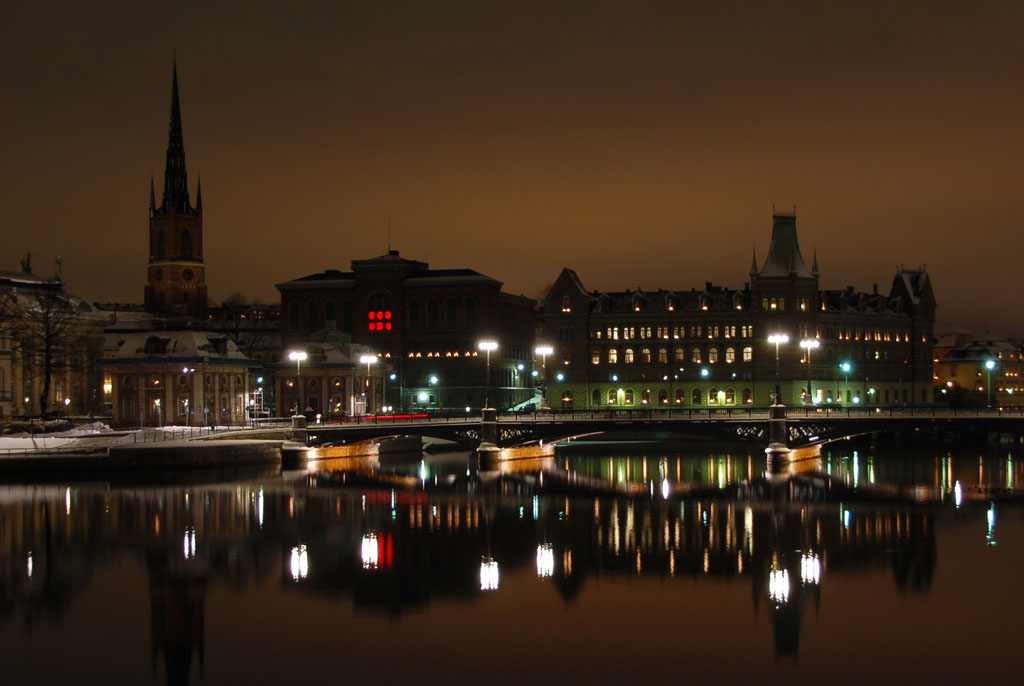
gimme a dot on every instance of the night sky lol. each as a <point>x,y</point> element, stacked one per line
<point>642,144</point>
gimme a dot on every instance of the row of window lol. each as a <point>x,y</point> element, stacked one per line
<point>846,333</point>
<point>697,396</point>
<point>646,356</point>
<point>625,333</point>
<point>434,316</point>
<point>779,304</point>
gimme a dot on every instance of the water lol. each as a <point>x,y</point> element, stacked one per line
<point>602,563</point>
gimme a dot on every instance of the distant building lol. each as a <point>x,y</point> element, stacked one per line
<point>709,347</point>
<point>178,377</point>
<point>424,325</point>
<point>176,274</point>
<point>975,373</point>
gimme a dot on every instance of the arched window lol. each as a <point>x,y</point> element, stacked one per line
<point>347,317</point>
<point>748,354</point>
<point>680,355</point>
<point>612,395</point>
<point>294,317</point>
<point>713,355</point>
<point>645,355</point>
<point>595,356</point>
<point>712,396</point>
<point>627,356</point>
<point>330,314</point>
<point>695,355</point>
<point>613,356</point>
<point>680,396</point>
<point>645,396</point>
<point>431,314</point>
<point>186,243</point>
<point>469,304</point>
<point>663,396</point>
<point>412,313</point>
<point>312,316</point>
<point>595,397</point>
<point>748,397</point>
<point>695,396</point>
<point>730,355</point>
<point>451,314</point>
<point>663,355</point>
<point>730,396</point>
<point>629,396</point>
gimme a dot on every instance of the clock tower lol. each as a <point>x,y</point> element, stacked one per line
<point>175,274</point>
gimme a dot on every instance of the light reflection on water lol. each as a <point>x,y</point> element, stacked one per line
<point>426,536</point>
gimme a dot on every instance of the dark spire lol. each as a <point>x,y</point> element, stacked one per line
<point>753,263</point>
<point>814,267</point>
<point>199,193</point>
<point>152,194</point>
<point>175,177</point>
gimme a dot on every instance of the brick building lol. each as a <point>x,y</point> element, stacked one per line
<point>424,325</point>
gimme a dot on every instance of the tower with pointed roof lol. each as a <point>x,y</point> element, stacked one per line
<point>783,288</point>
<point>175,274</point>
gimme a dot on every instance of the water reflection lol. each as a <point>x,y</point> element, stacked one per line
<point>432,531</point>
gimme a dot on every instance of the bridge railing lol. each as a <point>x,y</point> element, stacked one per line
<point>904,412</point>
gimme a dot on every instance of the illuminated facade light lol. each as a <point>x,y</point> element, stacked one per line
<point>299,563</point>
<point>489,574</point>
<point>545,560</point>
<point>369,552</point>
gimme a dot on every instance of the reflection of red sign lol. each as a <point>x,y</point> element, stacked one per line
<point>384,551</point>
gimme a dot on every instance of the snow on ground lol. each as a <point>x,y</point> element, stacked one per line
<point>99,435</point>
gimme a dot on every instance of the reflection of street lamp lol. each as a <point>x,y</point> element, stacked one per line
<point>846,367</point>
<point>809,344</point>
<point>298,356</point>
<point>487,346</point>
<point>367,395</point>
<point>544,351</point>
<point>778,339</point>
<point>989,366</point>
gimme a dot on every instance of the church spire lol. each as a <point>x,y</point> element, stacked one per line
<point>152,196</point>
<point>199,193</point>
<point>753,263</point>
<point>814,267</point>
<point>175,177</point>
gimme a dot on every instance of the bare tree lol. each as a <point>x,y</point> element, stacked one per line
<point>47,337</point>
<point>247,323</point>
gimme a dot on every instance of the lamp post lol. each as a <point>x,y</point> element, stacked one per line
<point>298,356</point>
<point>809,344</point>
<point>190,374</point>
<point>846,367</point>
<point>544,351</point>
<point>778,339</point>
<point>989,366</point>
<point>487,346</point>
<point>368,392</point>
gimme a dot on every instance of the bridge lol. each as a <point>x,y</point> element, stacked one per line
<point>803,426</point>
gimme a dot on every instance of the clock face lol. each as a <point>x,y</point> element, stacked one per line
<point>159,274</point>
<point>187,274</point>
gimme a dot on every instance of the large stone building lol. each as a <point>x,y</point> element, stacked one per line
<point>425,325</point>
<point>709,347</point>
<point>981,373</point>
<point>49,341</point>
<point>176,274</point>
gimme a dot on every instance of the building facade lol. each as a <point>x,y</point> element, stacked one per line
<point>710,347</point>
<point>49,341</point>
<point>424,325</point>
<point>176,273</point>
<point>190,378</point>
<point>981,373</point>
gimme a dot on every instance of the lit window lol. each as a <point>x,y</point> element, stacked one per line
<point>730,355</point>
<point>695,355</point>
<point>713,355</point>
<point>595,356</point>
<point>645,355</point>
<point>748,354</point>
<point>627,356</point>
<point>613,356</point>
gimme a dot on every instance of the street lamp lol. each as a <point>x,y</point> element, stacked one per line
<point>298,356</point>
<point>989,366</point>
<point>846,367</point>
<point>487,346</point>
<point>190,373</point>
<point>809,344</point>
<point>367,397</point>
<point>544,351</point>
<point>778,339</point>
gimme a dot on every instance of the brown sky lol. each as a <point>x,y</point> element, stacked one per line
<point>641,143</point>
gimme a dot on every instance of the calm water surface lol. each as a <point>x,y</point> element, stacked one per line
<point>601,563</point>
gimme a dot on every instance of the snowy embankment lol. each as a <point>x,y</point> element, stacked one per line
<point>96,435</point>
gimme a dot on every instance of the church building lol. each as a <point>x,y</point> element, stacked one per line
<point>175,274</point>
